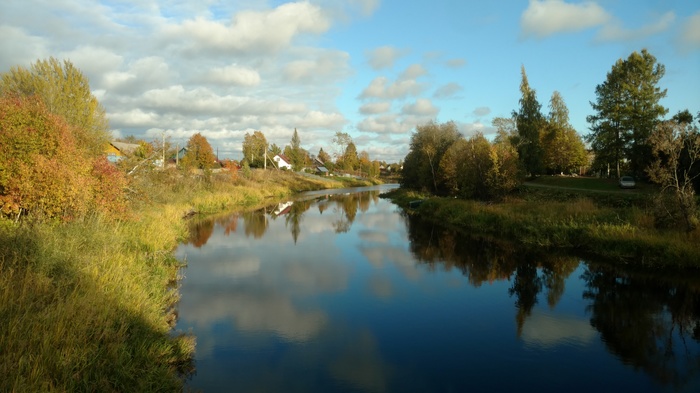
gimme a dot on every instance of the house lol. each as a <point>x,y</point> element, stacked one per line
<point>318,166</point>
<point>117,150</point>
<point>282,161</point>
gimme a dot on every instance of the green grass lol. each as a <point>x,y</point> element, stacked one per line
<point>590,184</point>
<point>88,305</point>
<point>580,224</point>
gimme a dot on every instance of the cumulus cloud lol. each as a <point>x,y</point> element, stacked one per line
<point>374,108</point>
<point>266,31</point>
<point>481,111</point>
<point>422,107</point>
<point>456,63</point>
<point>234,75</point>
<point>690,35</point>
<point>388,123</point>
<point>615,32</point>
<point>140,74</point>
<point>18,47</point>
<point>381,88</point>
<point>413,71</point>
<point>383,57</point>
<point>318,65</point>
<point>543,18</point>
<point>447,91</point>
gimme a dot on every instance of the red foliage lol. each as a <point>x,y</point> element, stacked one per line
<point>44,172</point>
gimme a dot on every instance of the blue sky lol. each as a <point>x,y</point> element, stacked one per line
<point>374,69</point>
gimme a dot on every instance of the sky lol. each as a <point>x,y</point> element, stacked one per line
<point>374,69</point>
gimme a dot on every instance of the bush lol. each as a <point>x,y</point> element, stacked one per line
<point>44,172</point>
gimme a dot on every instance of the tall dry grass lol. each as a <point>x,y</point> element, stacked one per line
<point>87,305</point>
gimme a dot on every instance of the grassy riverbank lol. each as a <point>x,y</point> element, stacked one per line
<point>616,228</point>
<point>88,305</point>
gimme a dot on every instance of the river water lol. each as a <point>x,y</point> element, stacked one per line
<point>338,291</point>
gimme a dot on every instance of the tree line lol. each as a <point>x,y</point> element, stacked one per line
<point>258,153</point>
<point>628,136</point>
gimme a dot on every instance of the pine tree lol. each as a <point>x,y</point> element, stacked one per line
<point>627,110</point>
<point>529,122</point>
<point>297,155</point>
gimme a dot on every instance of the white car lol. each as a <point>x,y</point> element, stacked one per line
<point>627,182</point>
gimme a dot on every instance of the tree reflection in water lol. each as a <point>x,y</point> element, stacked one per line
<point>255,222</point>
<point>648,321</point>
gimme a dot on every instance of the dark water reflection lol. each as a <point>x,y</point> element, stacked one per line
<point>341,292</point>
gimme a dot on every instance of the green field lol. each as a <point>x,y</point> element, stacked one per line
<point>589,183</point>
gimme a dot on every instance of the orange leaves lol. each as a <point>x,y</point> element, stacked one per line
<point>42,169</point>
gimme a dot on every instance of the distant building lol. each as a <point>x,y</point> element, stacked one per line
<point>117,150</point>
<point>282,161</point>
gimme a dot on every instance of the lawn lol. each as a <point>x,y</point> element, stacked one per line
<point>588,183</point>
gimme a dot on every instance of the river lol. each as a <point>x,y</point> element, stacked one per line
<point>338,291</point>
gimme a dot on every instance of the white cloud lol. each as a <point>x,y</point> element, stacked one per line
<point>374,108</point>
<point>318,65</point>
<point>690,35</point>
<point>381,88</point>
<point>134,117</point>
<point>456,63</point>
<point>141,74</point>
<point>19,48</point>
<point>481,111</point>
<point>252,31</point>
<point>413,71</point>
<point>615,32</point>
<point>366,6</point>
<point>547,17</point>
<point>448,91</point>
<point>422,107</point>
<point>689,38</point>
<point>383,57</point>
<point>234,75</point>
<point>388,123</point>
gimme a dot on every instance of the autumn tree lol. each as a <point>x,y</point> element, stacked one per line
<point>627,111</point>
<point>529,123</point>
<point>323,156</point>
<point>199,153</point>
<point>65,91</point>
<point>476,169</point>
<point>506,130</point>
<point>350,159</point>
<point>254,149</point>
<point>676,149</point>
<point>44,169</point>
<point>341,140</point>
<point>563,148</point>
<point>274,150</point>
<point>428,144</point>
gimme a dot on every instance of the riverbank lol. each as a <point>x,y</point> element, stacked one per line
<point>616,229</point>
<point>89,305</point>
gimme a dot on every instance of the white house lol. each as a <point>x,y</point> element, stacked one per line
<point>282,161</point>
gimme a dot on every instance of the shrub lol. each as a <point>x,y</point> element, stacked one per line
<point>44,171</point>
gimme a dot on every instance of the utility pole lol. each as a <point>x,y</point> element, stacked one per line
<point>163,162</point>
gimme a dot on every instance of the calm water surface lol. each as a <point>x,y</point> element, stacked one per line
<point>340,292</point>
